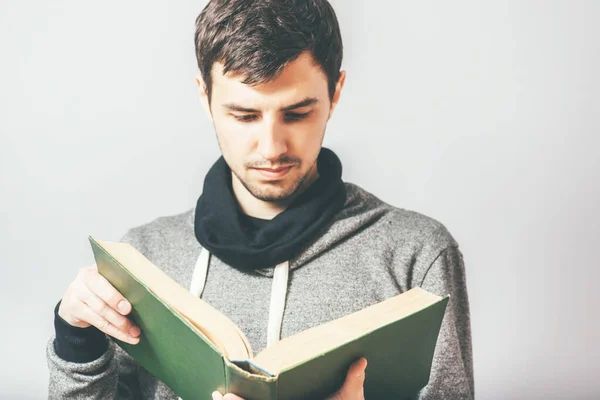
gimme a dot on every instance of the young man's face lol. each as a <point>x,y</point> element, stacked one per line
<point>271,134</point>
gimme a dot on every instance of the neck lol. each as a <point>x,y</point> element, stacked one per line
<point>257,208</point>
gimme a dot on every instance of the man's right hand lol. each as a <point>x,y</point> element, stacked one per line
<point>91,300</point>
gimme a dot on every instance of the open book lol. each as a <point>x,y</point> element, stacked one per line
<point>195,349</point>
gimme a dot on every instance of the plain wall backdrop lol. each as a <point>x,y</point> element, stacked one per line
<point>482,115</point>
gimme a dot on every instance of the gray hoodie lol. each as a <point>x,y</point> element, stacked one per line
<point>370,251</point>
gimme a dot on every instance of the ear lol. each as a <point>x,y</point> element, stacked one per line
<point>338,91</point>
<point>203,95</point>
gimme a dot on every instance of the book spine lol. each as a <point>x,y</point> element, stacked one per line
<point>248,385</point>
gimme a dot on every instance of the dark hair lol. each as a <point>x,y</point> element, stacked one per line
<point>257,38</point>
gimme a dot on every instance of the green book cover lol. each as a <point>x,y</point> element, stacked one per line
<point>174,350</point>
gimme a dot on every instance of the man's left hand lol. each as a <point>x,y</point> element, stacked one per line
<point>351,390</point>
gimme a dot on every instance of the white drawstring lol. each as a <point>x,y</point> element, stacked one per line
<point>278,292</point>
<point>200,273</point>
<point>277,306</point>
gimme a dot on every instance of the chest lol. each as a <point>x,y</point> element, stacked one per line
<point>328,287</point>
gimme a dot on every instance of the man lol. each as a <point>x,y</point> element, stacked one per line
<point>274,217</point>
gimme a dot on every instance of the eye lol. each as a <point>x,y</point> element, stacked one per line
<point>245,118</point>
<point>291,117</point>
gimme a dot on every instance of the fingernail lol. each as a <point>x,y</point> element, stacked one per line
<point>123,306</point>
<point>217,396</point>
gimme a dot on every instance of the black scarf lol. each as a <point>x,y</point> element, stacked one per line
<point>250,243</point>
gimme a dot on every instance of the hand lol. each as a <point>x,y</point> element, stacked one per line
<point>351,390</point>
<point>91,300</point>
<point>353,386</point>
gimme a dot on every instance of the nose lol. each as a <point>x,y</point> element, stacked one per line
<point>272,142</point>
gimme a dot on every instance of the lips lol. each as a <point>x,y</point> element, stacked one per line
<point>274,169</point>
<point>273,173</point>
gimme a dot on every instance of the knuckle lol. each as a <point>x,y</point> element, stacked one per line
<point>103,310</point>
<point>78,289</point>
<point>70,303</point>
<point>71,289</point>
<point>115,332</point>
<point>81,296</point>
<point>86,274</point>
<point>104,326</point>
<point>114,298</point>
<point>122,323</point>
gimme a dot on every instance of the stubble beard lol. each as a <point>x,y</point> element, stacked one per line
<point>272,191</point>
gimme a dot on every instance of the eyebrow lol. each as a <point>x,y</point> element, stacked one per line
<point>306,102</point>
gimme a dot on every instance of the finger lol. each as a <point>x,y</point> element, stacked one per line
<point>111,296</point>
<point>231,396</point>
<point>356,372</point>
<point>355,379</point>
<point>217,396</point>
<point>105,311</point>
<point>85,313</point>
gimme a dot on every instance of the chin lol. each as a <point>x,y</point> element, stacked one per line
<point>276,190</point>
<point>271,192</point>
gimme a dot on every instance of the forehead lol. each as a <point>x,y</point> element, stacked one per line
<point>299,79</point>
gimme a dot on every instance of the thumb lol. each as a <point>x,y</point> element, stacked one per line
<point>356,373</point>
<point>355,379</point>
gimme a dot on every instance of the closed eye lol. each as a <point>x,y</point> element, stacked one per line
<point>291,117</point>
<point>245,118</point>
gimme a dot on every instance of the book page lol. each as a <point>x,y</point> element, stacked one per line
<point>305,345</point>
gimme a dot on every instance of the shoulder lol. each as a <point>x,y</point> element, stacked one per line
<point>412,241</point>
<point>407,228</point>
<point>161,231</point>
<point>169,243</point>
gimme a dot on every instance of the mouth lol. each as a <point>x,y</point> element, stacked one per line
<point>273,173</point>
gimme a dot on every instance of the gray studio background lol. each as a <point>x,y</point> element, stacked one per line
<point>483,115</point>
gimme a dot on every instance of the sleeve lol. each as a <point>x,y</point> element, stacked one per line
<point>113,375</point>
<point>84,364</point>
<point>452,368</point>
